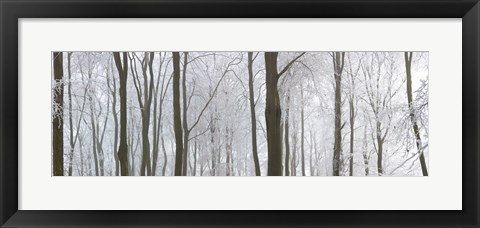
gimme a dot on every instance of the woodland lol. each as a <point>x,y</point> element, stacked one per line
<point>240,113</point>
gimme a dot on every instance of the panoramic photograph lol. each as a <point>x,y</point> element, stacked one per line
<point>240,113</point>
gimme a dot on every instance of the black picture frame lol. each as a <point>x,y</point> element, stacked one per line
<point>12,10</point>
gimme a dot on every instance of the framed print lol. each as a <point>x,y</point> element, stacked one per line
<point>239,113</point>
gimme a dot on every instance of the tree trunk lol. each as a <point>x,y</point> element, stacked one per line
<point>57,126</point>
<point>165,160</point>
<point>227,152</point>
<point>186,131</point>
<point>338,61</point>
<point>212,144</point>
<point>302,116</point>
<point>99,140</point>
<point>70,121</point>
<point>353,113</point>
<point>115,121</point>
<point>352,132</point>
<point>81,156</point>
<point>156,138</point>
<point>94,134</point>
<point>177,120</point>
<point>379,148</point>
<point>366,157</point>
<point>131,137</point>
<point>253,115</point>
<point>312,155</point>
<point>416,130</point>
<point>195,159</point>
<point>287,136</point>
<point>273,112</point>
<point>123,148</point>
<point>294,148</point>
<point>273,115</point>
<point>156,122</point>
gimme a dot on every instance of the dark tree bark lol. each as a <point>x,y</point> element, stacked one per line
<point>416,130</point>
<point>253,115</point>
<point>165,161</point>
<point>177,120</point>
<point>213,128</point>
<point>380,141</point>
<point>273,115</point>
<point>287,136</point>
<point>148,85</point>
<point>352,132</point>
<point>338,62</point>
<point>186,131</point>
<point>123,148</point>
<point>273,112</point>
<point>57,123</point>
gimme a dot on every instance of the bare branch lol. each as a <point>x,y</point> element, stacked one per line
<point>290,64</point>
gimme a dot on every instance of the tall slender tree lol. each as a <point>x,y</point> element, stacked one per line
<point>186,132</point>
<point>416,130</point>
<point>366,153</point>
<point>70,118</point>
<point>123,147</point>
<point>338,63</point>
<point>256,161</point>
<point>302,123</point>
<point>57,126</point>
<point>93,129</point>
<point>287,136</point>
<point>177,120</point>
